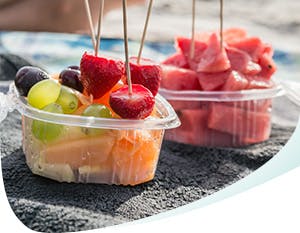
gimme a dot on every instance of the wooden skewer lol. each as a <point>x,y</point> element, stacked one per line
<point>221,23</point>
<point>100,19</point>
<point>126,48</point>
<point>88,12</point>
<point>145,31</point>
<point>192,48</point>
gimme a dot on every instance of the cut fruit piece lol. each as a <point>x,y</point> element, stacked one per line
<point>194,130</point>
<point>135,157</point>
<point>235,82</point>
<point>148,73</point>
<point>213,81</point>
<point>241,61</point>
<point>86,151</point>
<point>100,74</point>
<point>105,99</point>
<point>251,45</point>
<point>100,173</point>
<point>177,60</point>
<point>59,172</point>
<point>268,66</point>
<point>239,122</point>
<point>139,105</point>
<point>232,35</point>
<point>214,58</point>
<point>179,79</point>
<point>183,45</point>
<point>257,82</point>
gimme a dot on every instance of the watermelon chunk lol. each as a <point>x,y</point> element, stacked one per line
<point>235,82</point>
<point>178,60</point>
<point>183,45</point>
<point>232,35</point>
<point>213,81</point>
<point>214,58</point>
<point>251,45</point>
<point>239,122</point>
<point>267,64</point>
<point>258,82</point>
<point>241,61</point>
<point>194,130</point>
<point>174,78</point>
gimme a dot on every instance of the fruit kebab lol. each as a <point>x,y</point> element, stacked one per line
<point>120,139</point>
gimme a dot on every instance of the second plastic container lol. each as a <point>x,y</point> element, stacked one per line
<point>223,118</point>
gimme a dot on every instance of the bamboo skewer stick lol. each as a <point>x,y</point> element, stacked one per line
<point>100,19</point>
<point>192,48</point>
<point>221,23</point>
<point>126,48</point>
<point>88,12</point>
<point>144,31</point>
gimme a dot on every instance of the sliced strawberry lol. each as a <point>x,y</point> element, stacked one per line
<point>99,74</point>
<point>148,73</point>
<point>137,106</point>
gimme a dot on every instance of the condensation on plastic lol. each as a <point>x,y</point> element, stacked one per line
<point>222,119</point>
<point>94,150</point>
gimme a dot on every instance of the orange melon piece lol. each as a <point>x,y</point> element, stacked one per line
<point>86,151</point>
<point>135,158</point>
<point>105,99</point>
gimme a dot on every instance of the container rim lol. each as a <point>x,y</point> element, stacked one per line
<point>223,96</point>
<point>168,120</point>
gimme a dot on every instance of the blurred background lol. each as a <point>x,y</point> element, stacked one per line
<point>275,21</point>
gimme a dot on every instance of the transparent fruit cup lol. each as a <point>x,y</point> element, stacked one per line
<point>93,150</point>
<point>223,118</point>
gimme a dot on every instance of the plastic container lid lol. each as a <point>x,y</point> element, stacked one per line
<point>13,101</point>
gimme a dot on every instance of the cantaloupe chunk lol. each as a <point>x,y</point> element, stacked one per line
<point>80,152</point>
<point>135,158</point>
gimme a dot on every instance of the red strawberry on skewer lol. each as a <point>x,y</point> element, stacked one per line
<point>147,73</point>
<point>100,74</point>
<point>138,105</point>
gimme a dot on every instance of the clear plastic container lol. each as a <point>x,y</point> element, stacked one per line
<point>222,118</point>
<point>93,150</point>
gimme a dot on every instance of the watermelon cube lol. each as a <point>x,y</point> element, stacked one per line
<point>175,78</point>
<point>248,125</point>
<point>178,60</point>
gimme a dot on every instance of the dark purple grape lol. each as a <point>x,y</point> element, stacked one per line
<point>27,76</point>
<point>74,67</point>
<point>71,78</point>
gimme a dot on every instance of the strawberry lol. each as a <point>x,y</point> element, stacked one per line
<point>147,73</point>
<point>137,106</point>
<point>99,74</point>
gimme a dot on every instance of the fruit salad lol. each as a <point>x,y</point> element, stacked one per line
<point>82,125</point>
<point>223,94</point>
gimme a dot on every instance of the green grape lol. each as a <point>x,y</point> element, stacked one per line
<point>96,110</point>
<point>68,100</point>
<point>43,93</point>
<point>45,131</point>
